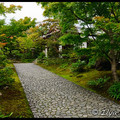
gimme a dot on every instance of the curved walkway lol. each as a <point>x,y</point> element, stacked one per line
<point>51,96</point>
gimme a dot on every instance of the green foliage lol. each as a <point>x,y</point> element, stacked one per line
<point>65,55</point>
<point>5,76</point>
<point>70,39</point>
<point>5,72</point>
<point>18,26</point>
<point>78,66</point>
<point>64,66</point>
<point>5,29</point>
<point>41,55</point>
<point>86,51</point>
<point>31,39</point>
<point>27,55</point>
<point>16,54</point>
<point>5,116</point>
<point>53,51</point>
<point>53,61</point>
<point>10,9</point>
<point>12,34</point>
<point>3,59</point>
<point>27,60</point>
<point>25,43</point>
<point>2,22</point>
<point>99,25</point>
<point>68,52</point>
<point>98,82</point>
<point>114,90</point>
<point>91,62</point>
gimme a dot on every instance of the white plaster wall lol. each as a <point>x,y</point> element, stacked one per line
<point>84,45</point>
<point>46,51</point>
<point>60,49</point>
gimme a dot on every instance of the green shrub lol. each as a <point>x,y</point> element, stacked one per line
<point>65,56</point>
<point>64,65</point>
<point>16,54</point>
<point>27,55</point>
<point>3,59</point>
<point>114,90</point>
<point>78,66</point>
<point>53,61</point>
<point>91,63</point>
<point>41,57</point>
<point>5,76</point>
<point>5,72</point>
<point>27,60</point>
<point>98,82</point>
<point>52,53</point>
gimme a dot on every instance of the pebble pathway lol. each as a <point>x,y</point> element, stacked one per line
<point>51,96</point>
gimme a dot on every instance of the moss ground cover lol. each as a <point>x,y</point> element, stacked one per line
<point>83,78</point>
<point>14,100</point>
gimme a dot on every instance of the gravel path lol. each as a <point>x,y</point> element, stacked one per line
<point>51,96</point>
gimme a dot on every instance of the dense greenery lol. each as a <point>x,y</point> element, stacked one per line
<point>5,76</point>
<point>78,66</point>
<point>99,23</point>
<point>14,103</point>
<point>5,72</point>
<point>114,90</point>
<point>12,94</point>
<point>99,82</point>
<point>5,116</point>
<point>10,33</point>
<point>25,40</point>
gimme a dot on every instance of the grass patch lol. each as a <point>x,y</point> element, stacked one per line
<point>83,78</point>
<point>14,100</point>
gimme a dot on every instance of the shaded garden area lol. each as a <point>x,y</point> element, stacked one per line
<point>57,45</point>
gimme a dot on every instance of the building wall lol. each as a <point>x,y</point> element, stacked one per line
<point>84,45</point>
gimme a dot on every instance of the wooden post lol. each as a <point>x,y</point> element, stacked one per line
<point>60,50</point>
<point>46,51</point>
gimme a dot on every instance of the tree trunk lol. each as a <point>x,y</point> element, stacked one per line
<point>113,58</point>
<point>114,70</point>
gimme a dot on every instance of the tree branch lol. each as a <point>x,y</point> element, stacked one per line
<point>86,21</point>
<point>112,11</point>
<point>78,18</point>
<point>101,50</point>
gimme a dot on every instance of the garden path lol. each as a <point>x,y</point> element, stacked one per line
<point>51,96</point>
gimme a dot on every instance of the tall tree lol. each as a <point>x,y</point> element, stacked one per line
<point>11,9</point>
<point>3,10</point>
<point>16,28</point>
<point>103,29</point>
<point>46,32</point>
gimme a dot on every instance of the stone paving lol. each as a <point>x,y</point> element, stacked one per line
<point>51,96</point>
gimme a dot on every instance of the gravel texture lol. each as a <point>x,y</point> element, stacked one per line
<point>51,96</point>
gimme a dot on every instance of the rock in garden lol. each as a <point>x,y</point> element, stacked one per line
<point>35,61</point>
<point>0,94</point>
<point>6,87</point>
